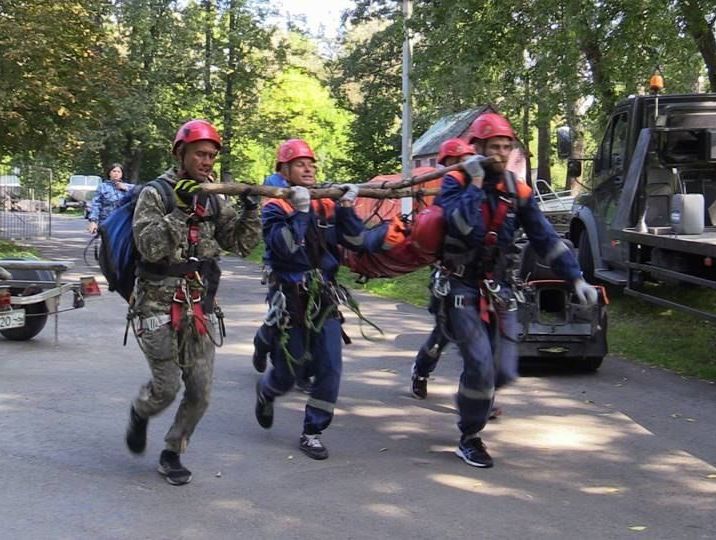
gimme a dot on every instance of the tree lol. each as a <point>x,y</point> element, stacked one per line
<point>52,74</point>
<point>370,87</point>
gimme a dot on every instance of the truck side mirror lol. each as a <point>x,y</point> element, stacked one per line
<point>564,142</point>
<point>574,168</point>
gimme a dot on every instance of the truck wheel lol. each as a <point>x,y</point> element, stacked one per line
<point>35,314</point>
<point>585,258</point>
<point>590,363</point>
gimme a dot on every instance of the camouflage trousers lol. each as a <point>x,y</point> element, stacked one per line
<point>170,363</point>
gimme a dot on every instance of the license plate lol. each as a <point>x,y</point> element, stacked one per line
<point>15,318</point>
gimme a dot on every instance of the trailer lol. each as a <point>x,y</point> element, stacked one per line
<point>31,292</point>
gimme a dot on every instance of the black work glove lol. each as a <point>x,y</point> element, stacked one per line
<point>185,190</point>
<point>250,202</point>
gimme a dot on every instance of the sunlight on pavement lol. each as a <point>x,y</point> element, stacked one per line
<point>374,378</point>
<point>571,432</point>
<point>683,468</point>
<point>388,510</point>
<point>403,427</point>
<point>602,490</point>
<point>469,484</point>
<point>378,411</point>
<point>6,399</point>
<point>241,505</point>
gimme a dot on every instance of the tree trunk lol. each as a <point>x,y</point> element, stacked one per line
<point>209,14</point>
<point>526,131</point>
<point>229,97</point>
<point>702,34</point>
<point>544,147</point>
<point>589,45</point>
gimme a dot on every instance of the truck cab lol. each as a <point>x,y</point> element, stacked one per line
<point>653,148</point>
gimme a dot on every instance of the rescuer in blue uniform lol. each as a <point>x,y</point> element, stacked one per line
<point>302,239</point>
<point>483,210</point>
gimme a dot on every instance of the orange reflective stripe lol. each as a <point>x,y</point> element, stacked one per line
<point>460,176</point>
<point>281,203</point>
<point>523,190</point>
<point>324,207</point>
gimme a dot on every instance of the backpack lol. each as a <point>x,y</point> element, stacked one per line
<point>118,255</point>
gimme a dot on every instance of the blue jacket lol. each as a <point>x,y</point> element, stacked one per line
<point>106,199</point>
<point>462,204</point>
<point>288,247</point>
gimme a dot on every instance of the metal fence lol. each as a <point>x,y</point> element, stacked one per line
<point>25,207</point>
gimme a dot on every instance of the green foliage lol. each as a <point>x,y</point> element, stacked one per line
<point>11,250</point>
<point>370,87</point>
<point>297,105</point>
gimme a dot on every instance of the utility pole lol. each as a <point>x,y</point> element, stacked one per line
<point>406,204</point>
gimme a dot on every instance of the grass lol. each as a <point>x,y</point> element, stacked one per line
<point>11,250</point>
<point>665,337</point>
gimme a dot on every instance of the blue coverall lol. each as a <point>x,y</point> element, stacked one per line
<point>463,205</point>
<point>290,238</point>
<point>265,334</point>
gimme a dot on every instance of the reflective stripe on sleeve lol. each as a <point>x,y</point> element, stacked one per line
<point>288,240</point>
<point>559,248</point>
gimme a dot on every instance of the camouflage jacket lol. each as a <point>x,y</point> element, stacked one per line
<point>163,238</point>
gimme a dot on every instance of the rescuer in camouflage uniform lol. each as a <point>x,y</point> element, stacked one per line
<point>173,296</point>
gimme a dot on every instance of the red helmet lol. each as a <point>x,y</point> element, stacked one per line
<point>454,148</point>
<point>490,125</point>
<point>196,130</point>
<point>293,149</point>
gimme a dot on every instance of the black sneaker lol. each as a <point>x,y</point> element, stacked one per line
<point>136,436</point>
<point>259,361</point>
<point>312,446</point>
<point>473,452</point>
<point>264,408</point>
<point>419,386</point>
<point>172,470</point>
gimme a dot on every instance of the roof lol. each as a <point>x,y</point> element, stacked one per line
<point>447,127</point>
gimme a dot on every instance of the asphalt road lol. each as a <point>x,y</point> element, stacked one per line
<point>629,452</point>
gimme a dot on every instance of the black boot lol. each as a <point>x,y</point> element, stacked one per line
<point>263,409</point>
<point>136,432</point>
<point>170,467</point>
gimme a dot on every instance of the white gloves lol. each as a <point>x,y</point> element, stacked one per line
<point>300,198</point>
<point>586,293</point>
<point>350,195</point>
<point>473,166</point>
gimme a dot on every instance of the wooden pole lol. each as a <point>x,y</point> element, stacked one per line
<point>392,190</point>
<point>368,191</point>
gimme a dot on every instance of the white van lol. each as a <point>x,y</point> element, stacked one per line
<point>80,192</point>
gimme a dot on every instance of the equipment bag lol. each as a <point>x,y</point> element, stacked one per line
<point>118,256</point>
